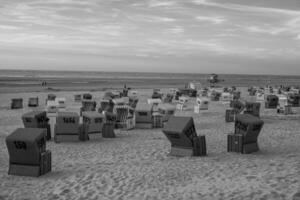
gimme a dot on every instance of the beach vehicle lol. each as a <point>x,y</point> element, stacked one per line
<point>166,110</point>
<point>271,101</point>
<point>201,104</point>
<point>252,108</point>
<point>67,128</point>
<point>33,102</point>
<point>125,117</point>
<point>27,152</point>
<point>244,139</point>
<point>87,96</point>
<point>16,103</point>
<point>181,133</point>
<point>187,92</point>
<point>92,122</point>
<point>143,115</point>
<point>87,105</point>
<point>37,119</point>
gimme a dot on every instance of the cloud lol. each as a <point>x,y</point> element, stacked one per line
<point>215,20</point>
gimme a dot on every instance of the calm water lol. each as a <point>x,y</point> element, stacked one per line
<point>59,79</point>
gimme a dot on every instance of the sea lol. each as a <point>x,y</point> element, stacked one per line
<point>31,80</point>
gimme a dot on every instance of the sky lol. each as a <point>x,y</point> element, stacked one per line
<point>178,36</point>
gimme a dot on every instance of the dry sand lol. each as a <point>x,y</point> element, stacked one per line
<point>136,165</point>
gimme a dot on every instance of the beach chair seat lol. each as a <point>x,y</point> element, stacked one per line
<point>181,133</point>
<point>37,119</point>
<point>33,102</point>
<point>244,139</point>
<point>16,103</point>
<point>27,152</point>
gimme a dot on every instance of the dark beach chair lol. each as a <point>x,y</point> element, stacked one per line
<point>271,101</point>
<point>16,103</point>
<point>182,135</point>
<point>27,152</point>
<point>33,102</point>
<point>244,139</point>
<point>252,108</point>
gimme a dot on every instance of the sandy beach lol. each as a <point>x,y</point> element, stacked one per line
<point>136,164</point>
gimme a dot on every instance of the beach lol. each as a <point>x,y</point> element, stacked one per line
<point>137,165</point>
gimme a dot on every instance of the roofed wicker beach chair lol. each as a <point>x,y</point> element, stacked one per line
<point>16,103</point>
<point>271,101</point>
<point>27,152</point>
<point>244,139</point>
<point>77,97</point>
<point>87,105</point>
<point>92,122</point>
<point>201,104</point>
<point>87,96</point>
<point>166,110</point>
<point>294,99</point>
<point>143,115</point>
<point>33,102</point>
<point>50,97</point>
<point>252,108</point>
<point>37,119</point>
<point>67,128</point>
<point>125,117</point>
<point>182,103</point>
<point>182,135</point>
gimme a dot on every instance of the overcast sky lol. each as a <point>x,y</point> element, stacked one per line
<point>202,36</point>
